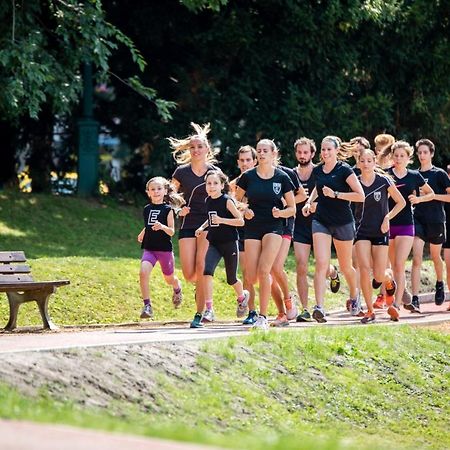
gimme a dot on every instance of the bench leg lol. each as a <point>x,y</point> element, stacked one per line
<point>41,297</point>
<point>15,300</point>
<point>42,301</point>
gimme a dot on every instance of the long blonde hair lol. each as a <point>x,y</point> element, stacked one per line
<point>181,147</point>
<point>345,150</point>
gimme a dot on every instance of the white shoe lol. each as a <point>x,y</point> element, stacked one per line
<point>261,324</point>
<point>292,312</point>
<point>208,316</point>
<point>242,307</point>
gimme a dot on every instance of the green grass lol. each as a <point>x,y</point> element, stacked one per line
<point>328,388</point>
<point>93,244</point>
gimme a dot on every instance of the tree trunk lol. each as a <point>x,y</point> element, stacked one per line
<point>9,134</point>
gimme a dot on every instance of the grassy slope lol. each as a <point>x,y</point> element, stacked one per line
<point>93,243</point>
<point>353,388</point>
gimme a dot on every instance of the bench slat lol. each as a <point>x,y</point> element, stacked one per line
<point>15,256</point>
<point>12,268</point>
<point>30,285</point>
<point>13,278</point>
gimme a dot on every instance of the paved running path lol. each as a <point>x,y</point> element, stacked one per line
<point>18,435</point>
<point>148,332</point>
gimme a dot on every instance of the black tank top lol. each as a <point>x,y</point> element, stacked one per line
<point>156,240</point>
<point>220,233</point>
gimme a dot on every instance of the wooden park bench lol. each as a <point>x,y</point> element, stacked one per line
<point>17,282</point>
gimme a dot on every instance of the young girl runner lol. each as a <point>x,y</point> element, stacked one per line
<point>195,157</point>
<point>223,218</point>
<point>156,240</point>
<point>372,229</point>
<point>265,187</point>
<point>336,186</point>
<point>401,233</point>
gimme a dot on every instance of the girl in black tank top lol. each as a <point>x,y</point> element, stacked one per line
<point>223,218</point>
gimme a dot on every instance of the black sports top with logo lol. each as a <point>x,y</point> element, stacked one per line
<point>156,240</point>
<point>193,188</point>
<point>370,215</point>
<point>263,195</point>
<point>331,211</point>
<point>409,184</point>
<point>308,185</point>
<point>433,211</point>
<point>220,233</point>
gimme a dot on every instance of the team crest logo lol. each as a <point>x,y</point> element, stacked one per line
<point>377,196</point>
<point>276,188</point>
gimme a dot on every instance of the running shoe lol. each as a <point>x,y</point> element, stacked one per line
<point>439,295</point>
<point>291,308</point>
<point>393,313</point>
<point>416,302</point>
<point>368,317</point>
<point>411,307</point>
<point>390,299</point>
<point>407,297</point>
<point>261,324</point>
<point>177,298</point>
<point>319,314</point>
<point>280,321</point>
<point>197,322</point>
<point>355,306</point>
<point>391,287</point>
<point>304,316</point>
<point>251,318</point>
<point>242,306</point>
<point>379,301</point>
<point>208,316</point>
<point>335,283</point>
<point>147,312</point>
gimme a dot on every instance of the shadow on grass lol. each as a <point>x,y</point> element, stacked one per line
<point>45,225</point>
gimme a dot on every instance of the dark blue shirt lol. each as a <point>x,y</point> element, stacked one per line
<point>333,211</point>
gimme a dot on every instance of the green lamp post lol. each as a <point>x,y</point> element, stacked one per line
<point>88,155</point>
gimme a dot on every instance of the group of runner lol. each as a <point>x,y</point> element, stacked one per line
<point>374,214</point>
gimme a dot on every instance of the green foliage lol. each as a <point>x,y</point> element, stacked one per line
<point>42,48</point>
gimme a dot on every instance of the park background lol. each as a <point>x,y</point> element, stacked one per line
<point>253,69</point>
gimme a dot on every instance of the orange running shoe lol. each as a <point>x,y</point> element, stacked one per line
<point>368,317</point>
<point>393,312</point>
<point>280,321</point>
<point>390,300</point>
<point>379,301</point>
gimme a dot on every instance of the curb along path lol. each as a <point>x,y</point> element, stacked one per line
<point>148,332</point>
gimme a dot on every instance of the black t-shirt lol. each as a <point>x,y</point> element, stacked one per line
<point>263,195</point>
<point>409,184</point>
<point>333,211</point>
<point>289,222</point>
<point>300,219</point>
<point>156,240</point>
<point>433,211</point>
<point>193,188</point>
<point>370,214</point>
<point>220,233</point>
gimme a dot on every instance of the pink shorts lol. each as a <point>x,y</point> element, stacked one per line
<point>166,260</point>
